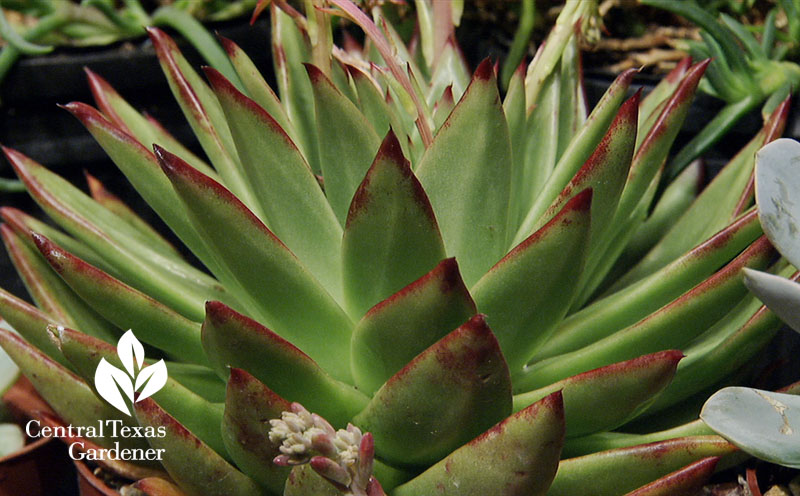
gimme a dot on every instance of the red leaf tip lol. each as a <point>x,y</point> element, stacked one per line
<point>581,202</point>
<point>485,70</point>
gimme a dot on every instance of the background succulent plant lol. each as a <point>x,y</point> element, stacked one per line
<point>765,423</point>
<point>471,280</point>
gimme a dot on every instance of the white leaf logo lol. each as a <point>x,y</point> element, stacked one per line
<point>109,380</point>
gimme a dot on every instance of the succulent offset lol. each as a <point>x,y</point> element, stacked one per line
<point>479,286</point>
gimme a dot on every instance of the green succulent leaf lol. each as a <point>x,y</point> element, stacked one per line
<point>126,307</point>
<point>69,396</point>
<point>391,237</point>
<point>671,327</point>
<point>616,471</point>
<point>256,87</point>
<point>233,340</point>
<point>688,480</point>
<point>175,283</point>
<point>285,294</point>
<point>470,159</point>
<point>48,290</point>
<point>445,396</point>
<point>518,456</point>
<point>399,328</point>
<point>345,156</point>
<point>713,209</point>
<point>541,271</point>
<point>204,114</point>
<point>662,92</point>
<point>776,181</point>
<point>195,467</point>
<point>762,423</point>
<point>293,205</point>
<point>632,303</point>
<point>249,405</point>
<point>372,103</point>
<point>144,129</point>
<point>31,323</point>
<point>582,146</point>
<point>605,398</point>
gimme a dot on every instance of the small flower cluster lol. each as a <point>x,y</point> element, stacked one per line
<point>343,457</point>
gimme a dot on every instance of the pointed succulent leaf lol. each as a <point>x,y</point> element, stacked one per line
<point>24,224</point>
<point>290,48</point>
<point>761,423</point>
<point>112,203</point>
<point>291,201</point>
<point>50,292</point>
<point>195,467</point>
<point>144,129</point>
<point>257,88</point>
<point>519,456</point>
<point>657,141</point>
<point>291,300</point>
<point>204,114</point>
<point>474,166</point>
<point>399,328</point>
<point>605,398</point>
<point>604,172</point>
<point>735,339</point>
<point>688,480</point>
<point>345,157</point>
<point>86,354</point>
<point>713,209</point>
<point>233,340</point>
<point>69,396</point>
<point>672,326</point>
<point>249,404</point>
<point>623,470</point>
<point>156,486</point>
<point>583,144</point>
<point>177,284</point>
<point>632,303</point>
<point>445,396</point>
<point>663,90</point>
<point>776,183</point>
<point>780,295</point>
<point>674,202</point>
<point>541,271</point>
<point>31,323</point>
<point>126,307</point>
<point>391,237</point>
<point>371,101</point>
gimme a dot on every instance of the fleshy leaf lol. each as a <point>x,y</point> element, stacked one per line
<point>470,159</point>
<point>605,398</point>
<point>233,340</point>
<point>671,327</point>
<point>520,455</point>
<point>31,323</point>
<point>391,236</point>
<point>194,466</point>
<point>622,470</point>
<point>345,157</point>
<point>776,187</point>
<point>399,328</point>
<point>286,295</point>
<point>128,308</point>
<point>762,423</point>
<point>688,480</point>
<point>249,404</point>
<point>542,272</point>
<point>780,295</point>
<point>290,199</point>
<point>445,396</point>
